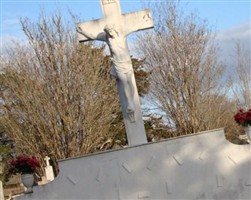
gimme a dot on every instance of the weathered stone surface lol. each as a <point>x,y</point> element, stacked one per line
<point>114,29</point>
<point>199,166</point>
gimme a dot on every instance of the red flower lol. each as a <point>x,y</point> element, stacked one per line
<point>24,165</point>
<point>243,118</point>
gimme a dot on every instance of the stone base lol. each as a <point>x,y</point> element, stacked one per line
<point>199,166</point>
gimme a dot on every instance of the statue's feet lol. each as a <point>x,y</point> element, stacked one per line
<point>131,115</point>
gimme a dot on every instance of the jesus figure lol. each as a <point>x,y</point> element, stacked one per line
<point>121,62</point>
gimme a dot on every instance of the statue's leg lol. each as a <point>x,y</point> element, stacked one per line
<point>130,91</point>
<point>126,80</point>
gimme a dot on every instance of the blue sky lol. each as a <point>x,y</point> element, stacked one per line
<point>231,19</point>
<point>223,14</point>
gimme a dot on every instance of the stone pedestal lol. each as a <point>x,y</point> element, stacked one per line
<point>49,173</point>
<point>199,166</point>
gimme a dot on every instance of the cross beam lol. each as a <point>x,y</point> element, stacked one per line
<point>127,23</point>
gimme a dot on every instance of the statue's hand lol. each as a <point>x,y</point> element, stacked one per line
<point>79,29</point>
<point>147,16</point>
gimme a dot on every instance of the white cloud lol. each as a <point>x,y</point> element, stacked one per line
<point>240,31</point>
<point>5,41</point>
<point>228,38</point>
<point>227,43</point>
<point>10,22</point>
<point>8,40</point>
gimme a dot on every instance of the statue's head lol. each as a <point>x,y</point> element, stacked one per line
<point>110,29</point>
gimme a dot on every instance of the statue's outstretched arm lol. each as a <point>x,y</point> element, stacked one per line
<point>100,36</point>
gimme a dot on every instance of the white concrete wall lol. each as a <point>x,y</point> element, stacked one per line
<point>202,166</point>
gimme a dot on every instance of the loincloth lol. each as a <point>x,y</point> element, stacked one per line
<point>120,68</point>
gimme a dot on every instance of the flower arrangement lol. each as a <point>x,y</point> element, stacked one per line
<point>243,118</point>
<point>23,165</point>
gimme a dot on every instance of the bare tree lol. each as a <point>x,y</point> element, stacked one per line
<point>242,80</point>
<point>186,78</point>
<point>58,97</point>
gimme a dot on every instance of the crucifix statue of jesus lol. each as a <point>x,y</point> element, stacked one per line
<point>113,30</point>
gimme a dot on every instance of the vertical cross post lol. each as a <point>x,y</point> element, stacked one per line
<point>123,24</point>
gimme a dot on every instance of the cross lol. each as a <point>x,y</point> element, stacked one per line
<point>47,160</point>
<point>114,29</point>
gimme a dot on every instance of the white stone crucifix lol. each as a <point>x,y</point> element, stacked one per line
<point>114,29</point>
